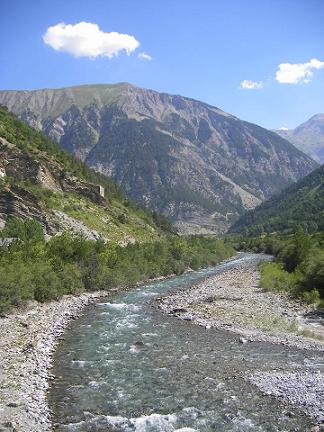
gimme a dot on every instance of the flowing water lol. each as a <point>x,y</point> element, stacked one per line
<point>124,366</point>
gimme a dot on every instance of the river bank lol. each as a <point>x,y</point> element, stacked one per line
<point>233,300</point>
<point>28,340</point>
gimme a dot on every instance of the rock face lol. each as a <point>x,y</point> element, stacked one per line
<point>17,201</point>
<point>199,165</point>
<point>308,137</point>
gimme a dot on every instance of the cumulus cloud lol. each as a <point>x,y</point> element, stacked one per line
<point>251,85</point>
<point>144,56</point>
<point>87,40</point>
<point>290,73</point>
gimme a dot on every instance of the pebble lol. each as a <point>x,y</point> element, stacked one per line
<point>304,389</point>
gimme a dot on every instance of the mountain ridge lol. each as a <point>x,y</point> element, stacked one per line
<point>196,163</point>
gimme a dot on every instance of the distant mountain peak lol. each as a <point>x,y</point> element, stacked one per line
<point>317,117</point>
<point>308,137</point>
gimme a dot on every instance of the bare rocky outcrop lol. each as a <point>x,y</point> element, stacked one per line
<point>68,223</point>
<point>16,200</point>
<point>21,166</point>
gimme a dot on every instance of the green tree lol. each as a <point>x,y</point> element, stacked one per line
<point>28,230</point>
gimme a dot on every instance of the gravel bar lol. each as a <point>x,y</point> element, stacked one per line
<point>233,301</point>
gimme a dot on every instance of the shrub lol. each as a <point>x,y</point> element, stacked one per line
<point>314,271</point>
<point>312,297</point>
<point>274,278</point>
<point>27,230</point>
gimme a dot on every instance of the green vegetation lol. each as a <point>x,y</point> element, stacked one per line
<point>32,269</point>
<point>117,222</point>
<point>300,204</point>
<point>298,266</point>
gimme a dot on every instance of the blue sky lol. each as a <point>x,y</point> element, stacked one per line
<point>202,49</point>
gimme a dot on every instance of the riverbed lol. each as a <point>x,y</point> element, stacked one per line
<point>125,366</point>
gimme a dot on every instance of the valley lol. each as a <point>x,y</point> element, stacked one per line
<point>77,251</point>
<point>161,216</point>
<point>198,165</point>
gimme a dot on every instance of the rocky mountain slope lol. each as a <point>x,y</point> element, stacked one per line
<point>308,137</point>
<point>39,181</point>
<point>192,161</point>
<point>300,204</point>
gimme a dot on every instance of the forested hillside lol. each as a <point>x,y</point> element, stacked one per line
<point>300,204</point>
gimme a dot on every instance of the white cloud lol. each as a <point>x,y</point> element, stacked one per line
<point>289,73</point>
<point>144,56</point>
<point>283,128</point>
<point>251,85</point>
<point>87,40</point>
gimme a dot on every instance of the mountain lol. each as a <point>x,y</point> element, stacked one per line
<point>39,181</point>
<point>192,161</point>
<point>300,204</point>
<point>308,137</point>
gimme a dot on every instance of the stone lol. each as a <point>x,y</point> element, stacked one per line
<point>23,324</point>
<point>28,347</point>
<point>139,344</point>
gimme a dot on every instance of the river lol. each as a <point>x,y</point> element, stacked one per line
<point>124,366</point>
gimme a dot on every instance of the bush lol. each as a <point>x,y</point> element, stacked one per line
<point>274,278</point>
<point>314,271</point>
<point>312,297</point>
<point>16,284</point>
<point>46,282</point>
<point>298,265</point>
